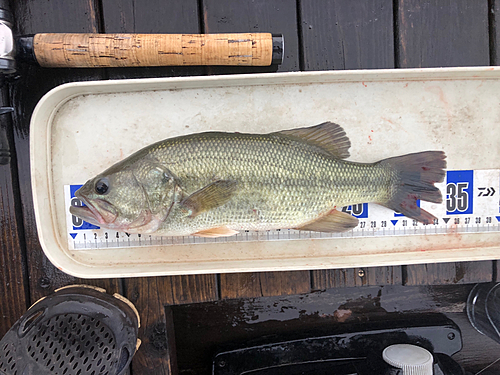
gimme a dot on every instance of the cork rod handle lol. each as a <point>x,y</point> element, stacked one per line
<point>135,50</point>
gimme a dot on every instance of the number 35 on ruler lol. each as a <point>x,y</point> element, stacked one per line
<point>459,192</point>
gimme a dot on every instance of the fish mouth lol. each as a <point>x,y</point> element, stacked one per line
<point>91,214</point>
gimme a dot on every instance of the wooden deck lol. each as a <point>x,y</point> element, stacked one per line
<point>319,35</point>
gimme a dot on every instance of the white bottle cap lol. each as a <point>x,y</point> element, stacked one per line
<point>413,359</point>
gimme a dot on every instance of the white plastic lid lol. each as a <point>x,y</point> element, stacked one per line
<point>6,39</point>
<point>413,359</point>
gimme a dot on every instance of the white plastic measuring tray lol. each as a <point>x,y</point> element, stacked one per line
<point>79,129</point>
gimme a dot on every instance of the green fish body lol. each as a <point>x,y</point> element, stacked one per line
<point>215,184</point>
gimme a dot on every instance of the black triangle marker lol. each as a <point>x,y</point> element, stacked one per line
<point>446,219</point>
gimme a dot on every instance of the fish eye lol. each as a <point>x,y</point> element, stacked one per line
<point>101,186</point>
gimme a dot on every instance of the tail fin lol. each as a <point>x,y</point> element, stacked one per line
<point>416,175</point>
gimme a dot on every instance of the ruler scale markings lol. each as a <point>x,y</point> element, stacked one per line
<point>470,202</point>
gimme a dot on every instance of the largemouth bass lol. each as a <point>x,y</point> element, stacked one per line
<point>214,184</point>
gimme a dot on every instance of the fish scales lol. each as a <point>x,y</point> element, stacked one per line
<point>281,182</point>
<point>213,184</point>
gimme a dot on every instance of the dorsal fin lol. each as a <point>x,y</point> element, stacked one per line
<point>329,136</point>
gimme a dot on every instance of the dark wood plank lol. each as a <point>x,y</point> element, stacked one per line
<point>449,273</point>
<point>192,289</point>
<point>434,33</point>
<point>371,276</point>
<point>494,29</point>
<point>338,278</point>
<point>277,16</point>
<point>202,329</point>
<point>347,34</point>
<point>154,16</point>
<point>33,17</point>
<point>280,17</point>
<point>264,284</point>
<point>443,33</point>
<point>12,262</point>
<point>152,296</point>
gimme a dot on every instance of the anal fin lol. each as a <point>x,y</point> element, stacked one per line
<point>216,232</point>
<point>335,221</point>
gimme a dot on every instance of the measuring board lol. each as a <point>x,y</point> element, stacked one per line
<point>470,205</point>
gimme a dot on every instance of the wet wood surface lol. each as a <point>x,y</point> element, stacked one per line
<point>347,34</point>
<point>151,295</point>
<point>494,31</point>
<point>277,16</point>
<point>34,82</point>
<point>438,33</point>
<point>262,16</point>
<point>209,328</point>
<point>338,35</point>
<point>367,276</point>
<point>319,34</point>
<point>13,278</point>
<point>257,284</point>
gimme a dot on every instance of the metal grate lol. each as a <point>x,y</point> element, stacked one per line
<point>73,344</point>
<point>7,363</point>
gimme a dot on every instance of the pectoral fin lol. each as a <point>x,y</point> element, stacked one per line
<point>335,221</point>
<point>216,232</point>
<point>211,196</point>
